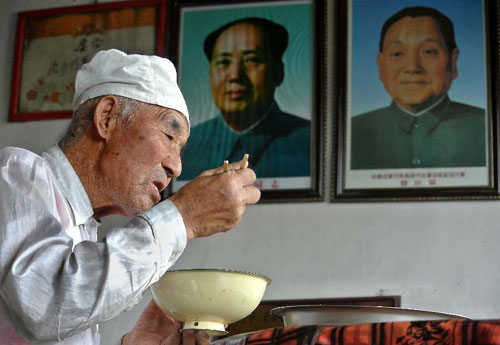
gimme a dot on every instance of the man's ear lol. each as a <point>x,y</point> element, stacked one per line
<point>106,115</point>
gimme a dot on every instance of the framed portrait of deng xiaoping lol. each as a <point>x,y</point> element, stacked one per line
<point>52,44</point>
<point>416,88</point>
<point>251,74</point>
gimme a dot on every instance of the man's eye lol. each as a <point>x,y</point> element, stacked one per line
<point>396,54</point>
<point>432,52</point>
<point>222,62</point>
<point>252,60</point>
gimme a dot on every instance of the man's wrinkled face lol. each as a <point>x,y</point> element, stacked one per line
<point>415,65</point>
<point>243,74</point>
<point>142,157</point>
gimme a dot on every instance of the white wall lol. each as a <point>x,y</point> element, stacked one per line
<point>439,256</point>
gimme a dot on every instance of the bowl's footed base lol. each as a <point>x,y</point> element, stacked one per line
<point>212,328</point>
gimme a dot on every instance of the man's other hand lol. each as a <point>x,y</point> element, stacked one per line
<point>154,327</point>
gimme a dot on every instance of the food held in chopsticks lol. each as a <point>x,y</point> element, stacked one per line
<point>243,164</point>
<point>244,161</point>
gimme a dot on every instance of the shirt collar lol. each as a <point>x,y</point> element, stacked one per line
<point>254,125</point>
<point>426,110</point>
<point>70,184</point>
<point>429,119</point>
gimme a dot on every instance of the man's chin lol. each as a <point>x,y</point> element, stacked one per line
<point>155,200</point>
<point>144,205</point>
<point>235,111</point>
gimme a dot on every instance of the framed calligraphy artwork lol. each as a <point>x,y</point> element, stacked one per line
<point>416,90</point>
<point>52,44</point>
<point>251,73</point>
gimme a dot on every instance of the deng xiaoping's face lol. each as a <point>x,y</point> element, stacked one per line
<point>415,65</point>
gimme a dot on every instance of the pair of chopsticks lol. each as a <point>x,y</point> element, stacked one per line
<point>242,165</point>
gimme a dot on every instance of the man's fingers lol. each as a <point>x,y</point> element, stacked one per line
<point>225,167</point>
<point>252,195</point>
<point>246,176</point>
<point>230,166</point>
<point>191,337</point>
<point>202,338</point>
<point>219,170</point>
<point>188,337</point>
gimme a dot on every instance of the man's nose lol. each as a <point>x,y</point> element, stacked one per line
<point>236,70</point>
<point>173,165</point>
<point>413,62</point>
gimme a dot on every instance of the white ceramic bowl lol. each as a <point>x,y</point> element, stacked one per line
<point>209,299</point>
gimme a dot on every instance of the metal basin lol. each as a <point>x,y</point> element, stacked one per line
<point>341,315</point>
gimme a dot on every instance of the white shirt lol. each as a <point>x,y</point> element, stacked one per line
<point>57,282</point>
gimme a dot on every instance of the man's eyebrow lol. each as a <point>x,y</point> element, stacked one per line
<point>222,54</point>
<point>173,121</point>
<point>252,51</point>
<point>244,52</point>
<point>429,39</point>
<point>176,124</point>
<point>434,40</point>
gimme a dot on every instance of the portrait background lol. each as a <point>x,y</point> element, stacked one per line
<point>294,95</point>
<point>467,17</point>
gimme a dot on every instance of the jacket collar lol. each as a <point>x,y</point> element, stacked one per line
<point>430,119</point>
<point>70,184</point>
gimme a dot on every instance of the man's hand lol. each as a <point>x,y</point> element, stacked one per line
<point>154,327</point>
<point>215,200</point>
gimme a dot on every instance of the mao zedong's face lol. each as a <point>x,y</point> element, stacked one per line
<point>415,65</point>
<point>243,76</point>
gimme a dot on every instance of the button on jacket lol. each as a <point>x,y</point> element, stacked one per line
<point>57,280</point>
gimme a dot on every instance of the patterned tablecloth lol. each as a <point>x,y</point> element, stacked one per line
<point>473,332</point>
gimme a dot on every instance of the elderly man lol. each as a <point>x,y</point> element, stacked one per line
<point>422,128</point>
<point>246,67</point>
<point>121,150</point>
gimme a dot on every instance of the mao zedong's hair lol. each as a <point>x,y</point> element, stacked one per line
<point>277,36</point>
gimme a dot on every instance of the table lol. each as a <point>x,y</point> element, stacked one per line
<point>447,332</point>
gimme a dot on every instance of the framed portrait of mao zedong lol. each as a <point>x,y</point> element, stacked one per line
<point>417,118</point>
<point>251,74</point>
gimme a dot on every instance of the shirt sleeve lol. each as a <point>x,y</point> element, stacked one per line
<point>53,289</point>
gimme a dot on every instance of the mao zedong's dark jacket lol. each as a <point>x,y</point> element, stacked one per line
<point>279,146</point>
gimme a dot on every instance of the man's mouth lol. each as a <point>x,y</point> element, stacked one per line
<point>160,186</point>
<point>236,93</point>
<point>414,82</point>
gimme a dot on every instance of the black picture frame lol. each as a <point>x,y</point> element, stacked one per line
<point>273,189</point>
<point>409,184</point>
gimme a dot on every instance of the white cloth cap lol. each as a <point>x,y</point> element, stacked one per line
<point>149,79</point>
